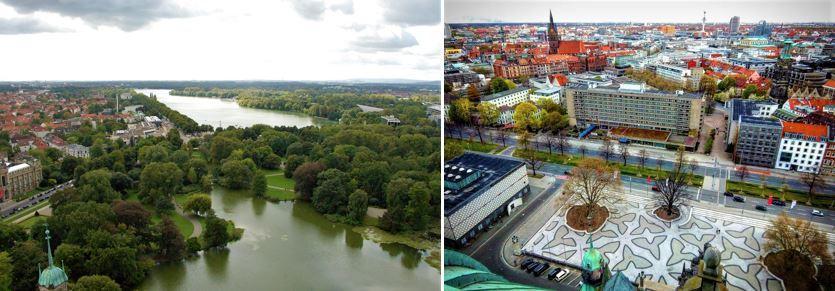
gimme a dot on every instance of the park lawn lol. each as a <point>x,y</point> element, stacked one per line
<point>471,145</point>
<point>182,223</point>
<point>278,180</point>
<point>29,222</point>
<point>279,194</point>
<point>749,189</point>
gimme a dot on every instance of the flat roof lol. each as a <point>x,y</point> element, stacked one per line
<point>761,121</point>
<point>493,169</point>
<point>503,93</point>
<point>614,89</point>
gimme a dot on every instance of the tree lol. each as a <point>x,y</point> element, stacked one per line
<point>408,205</point>
<point>5,271</point>
<point>25,257</point>
<point>499,84</point>
<point>533,160</point>
<point>582,150</point>
<point>623,151</point>
<point>305,178</point>
<point>96,283</point>
<point>95,186</point>
<point>708,86</point>
<point>372,177</point>
<point>72,258</point>
<point>488,114</point>
<point>173,138</point>
<point>526,117</point>
<point>293,162</point>
<point>799,237</point>
<point>642,158</point>
<point>726,83</point>
<point>215,234</point>
<point>159,181</point>
<point>671,194</point>
<point>749,90</point>
<point>451,150</point>
<point>592,181</point>
<point>501,136</point>
<point>562,143</point>
<point>554,121</point>
<point>813,180</point>
<point>172,246</point>
<point>606,149</point>
<point>193,245</point>
<point>222,147</point>
<point>473,94</point>
<point>460,113</point>
<point>236,174</point>
<point>11,234</point>
<point>357,206</point>
<point>206,184</point>
<point>131,213</point>
<point>742,172</point>
<point>198,204</point>
<point>331,193</point>
<point>152,154</point>
<point>259,184</point>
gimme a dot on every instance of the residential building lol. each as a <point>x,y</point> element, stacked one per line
<point>802,146</point>
<point>756,64</point>
<point>828,88</point>
<point>433,112</point>
<point>478,190</point>
<point>758,141</point>
<point>827,119</point>
<point>18,178</point>
<point>508,97</point>
<point>77,150</point>
<point>633,105</point>
<point>672,73</point>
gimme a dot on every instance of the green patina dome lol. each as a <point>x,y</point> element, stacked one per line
<point>52,277</point>
<point>592,258</point>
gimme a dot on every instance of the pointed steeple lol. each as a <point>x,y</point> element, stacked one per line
<point>48,246</point>
<point>551,17</point>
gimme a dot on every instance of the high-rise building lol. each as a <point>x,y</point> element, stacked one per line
<point>758,141</point>
<point>553,35</point>
<point>734,26</point>
<point>761,29</point>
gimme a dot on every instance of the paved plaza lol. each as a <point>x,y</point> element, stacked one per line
<point>635,240</point>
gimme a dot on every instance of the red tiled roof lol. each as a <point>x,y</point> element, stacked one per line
<point>571,47</point>
<point>811,130</point>
<point>830,83</point>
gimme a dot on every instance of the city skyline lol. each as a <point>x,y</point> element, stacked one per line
<point>321,40</point>
<point>605,11</point>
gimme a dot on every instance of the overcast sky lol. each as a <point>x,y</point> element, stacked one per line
<point>749,11</point>
<point>219,40</point>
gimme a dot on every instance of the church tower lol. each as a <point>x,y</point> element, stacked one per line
<point>52,278</point>
<point>553,35</point>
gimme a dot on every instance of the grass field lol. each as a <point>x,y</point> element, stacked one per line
<point>755,190</point>
<point>471,145</point>
<point>278,180</point>
<point>275,178</point>
<point>29,222</point>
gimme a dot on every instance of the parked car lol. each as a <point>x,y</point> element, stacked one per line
<point>562,274</point>
<point>739,199</point>
<point>553,273</point>
<point>567,173</point>
<point>778,202</point>
<point>525,263</point>
<point>816,212</point>
<point>729,194</point>
<point>544,267</point>
<point>532,266</point>
<point>655,188</point>
<point>760,208</point>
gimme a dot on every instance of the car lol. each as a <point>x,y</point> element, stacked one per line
<point>542,268</point>
<point>525,263</point>
<point>739,199</point>
<point>567,173</point>
<point>553,273</point>
<point>778,202</point>
<point>561,274</point>
<point>729,194</point>
<point>760,208</point>
<point>655,188</point>
<point>816,212</point>
<point>532,266</point>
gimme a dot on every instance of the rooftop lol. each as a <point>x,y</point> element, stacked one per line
<point>366,108</point>
<point>760,121</point>
<point>492,169</point>
<point>649,91</point>
<point>503,93</point>
<point>819,132</point>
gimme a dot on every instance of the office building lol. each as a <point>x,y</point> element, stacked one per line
<point>761,29</point>
<point>671,73</point>
<point>802,146</point>
<point>758,141</point>
<point>737,108</point>
<point>734,25</point>
<point>633,105</point>
<point>478,190</point>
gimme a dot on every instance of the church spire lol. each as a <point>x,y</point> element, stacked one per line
<point>48,246</point>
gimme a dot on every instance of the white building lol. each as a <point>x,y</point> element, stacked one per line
<point>673,73</point>
<point>509,98</point>
<point>802,147</point>
<point>77,150</point>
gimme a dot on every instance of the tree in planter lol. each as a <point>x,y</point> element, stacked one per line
<point>813,180</point>
<point>623,152</point>
<point>671,194</point>
<point>606,149</point>
<point>799,236</point>
<point>642,160</point>
<point>592,181</point>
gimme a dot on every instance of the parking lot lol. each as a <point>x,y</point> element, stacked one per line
<point>549,276</point>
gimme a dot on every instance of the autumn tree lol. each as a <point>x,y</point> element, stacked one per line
<point>642,158</point>
<point>473,94</point>
<point>742,172</point>
<point>799,237</point>
<point>488,114</point>
<point>460,114</point>
<point>526,117</point>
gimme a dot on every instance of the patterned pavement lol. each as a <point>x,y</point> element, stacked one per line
<point>635,240</point>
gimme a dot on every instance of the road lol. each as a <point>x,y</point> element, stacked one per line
<point>9,209</point>
<point>706,165</point>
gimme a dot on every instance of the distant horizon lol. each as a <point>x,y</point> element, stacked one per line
<point>355,80</point>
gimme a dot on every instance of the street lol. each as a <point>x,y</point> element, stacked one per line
<point>7,209</point>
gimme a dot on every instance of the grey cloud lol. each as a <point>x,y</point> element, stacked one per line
<point>387,42</point>
<point>346,7</point>
<point>126,15</point>
<point>412,12</point>
<point>25,26</point>
<point>309,9</point>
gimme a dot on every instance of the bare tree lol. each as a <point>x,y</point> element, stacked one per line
<point>606,149</point>
<point>642,158</point>
<point>813,180</point>
<point>502,136</point>
<point>562,143</point>
<point>799,236</point>
<point>671,193</point>
<point>659,162</point>
<point>623,152</point>
<point>550,141</point>
<point>592,181</point>
<point>693,165</point>
<point>582,150</point>
<point>742,172</point>
<point>533,160</point>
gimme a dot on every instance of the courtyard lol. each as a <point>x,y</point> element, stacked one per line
<point>635,240</point>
